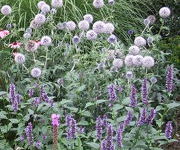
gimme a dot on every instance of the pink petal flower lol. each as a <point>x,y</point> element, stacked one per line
<point>4,33</point>
<point>15,45</point>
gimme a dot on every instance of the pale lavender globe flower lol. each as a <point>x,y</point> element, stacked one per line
<point>34,25</point>
<point>19,58</point>
<point>88,17</point>
<point>129,74</point>
<point>6,10</point>
<point>27,35</point>
<point>148,62</point>
<point>129,60</point>
<point>109,28</point>
<point>91,35</point>
<point>61,25</point>
<point>36,72</point>
<point>31,46</point>
<point>134,50</point>
<point>40,4</point>
<point>118,63</point>
<point>46,41</point>
<point>112,39</point>
<point>45,8</point>
<point>99,27</point>
<point>164,12</point>
<point>56,3</point>
<point>137,60</point>
<point>70,25</point>
<point>98,3</point>
<point>40,19</point>
<point>152,19</point>
<point>76,39</point>
<point>140,41</point>
<point>83,25</point>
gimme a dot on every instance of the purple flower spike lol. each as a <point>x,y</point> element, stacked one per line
<point>30,92</point>
<point>38,144</point>
<point>119,135</point>
<point>45,97</point>
<point>103,145</point>
<point>144,92</point>
<point>109,139</point>
<point>99,124</point>
<point>168,130</point>
<point>112,93</point>
<point>142,119</point>
<point>151,116</point>
<point>133,99</point>
<point>72,127</point>
<point>128,118</point>
<point>29,133</point>
<point>169,78</point>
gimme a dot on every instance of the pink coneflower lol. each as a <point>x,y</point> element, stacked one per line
<point>15,45</point>
<point>4,33</point>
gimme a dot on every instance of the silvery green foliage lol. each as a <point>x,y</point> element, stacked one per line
<point>70,71</point>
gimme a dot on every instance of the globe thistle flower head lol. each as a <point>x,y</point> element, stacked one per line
<point>61,25</point>
<point>53,11</point>
<point>36,72</point>
<point>46,41</point>
<point>83,25</point>
<point>98,3</point>
<point>129,75</point>
<point>19,58</point>
<point>117,63</point>
<point>40,4</point>
<point>148,62</point>
<point>9,26</point>
<point>164,12</point>
<point>88,17</point>
<point>140,41</point>
<point>111,2</point>
<point>6,10</point>
<point>152,19</point>
<point>134,50</point>
<point>57,3</point>
<point>31,46</point>
<point>29,30</point>
<point>130,32</point>
<point>91,35</point>
<point>129,60</point>
<point>45,8</point>
<point>35,25</point>
<point>153,80</point>
<point>112,39</point>
<point>137,60</point>
<point>146,22</point>
<point>70,25</point>
<point>109,28</point>
<point>40,19</point>
<point>99,27</point>
<point>26,35</point>
<point>76,39</point>
<point>150,40</point>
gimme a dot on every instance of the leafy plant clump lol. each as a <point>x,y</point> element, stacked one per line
<point>71,83</point>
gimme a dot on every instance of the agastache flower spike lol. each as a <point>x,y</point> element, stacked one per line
<point>119,135</point>
<point>112,92</point>
<point>109,139</point>
<point>99,127</point>
<point>72,127</point>
<point>29,133</point>
<point>169,78</point>
<point>128,118</point>
<point>168,130</point>
<point>151,116</point>
<point>133,99</point>
<point>144,92</point>
<point>55,124</point>
<point>142,119</point>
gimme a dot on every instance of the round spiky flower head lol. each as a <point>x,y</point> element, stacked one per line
<point>129,60</point>
<point>83,25</point>
<point>27,35</point>
<point>112,39</point>
<point>6,10</point>
<point>134,50</point>
<point>34,25</point>
<point>31,46</point>
<point>70,25</point>
<point>152,19</point>
<point>99,27</point>
<point>137,60</point>
<point>40,19</point>
<point>98,3</point>
<point>118,63</point>
<point>164,12</point>
<point>91,35</point>
<point>45,8</point>
<point>36,72</point>
<point>148,62</point>
<point>61,25</point>
<point>46,41</point>
<point>19,58</point>
<point>129,74</point>
<point>40,4</point>
<point>111,2</point>
<point>140,41</point>
<point>57,3</point>
<point>109,28</point>
<point>76,39</point>
<point>88,17</point>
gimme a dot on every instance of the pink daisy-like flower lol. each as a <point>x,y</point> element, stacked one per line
<point>15,45</point>
<point>4,33</point>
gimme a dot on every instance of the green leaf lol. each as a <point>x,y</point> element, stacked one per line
<point>93,145</point>
<point>2,116</point>
<point>117,107</point>
<point>89,104</point>
<point>101,101</point>
<point>173,105</point>
<point>14,120</point>
<point>125,101</point>
<point>2,93</point>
